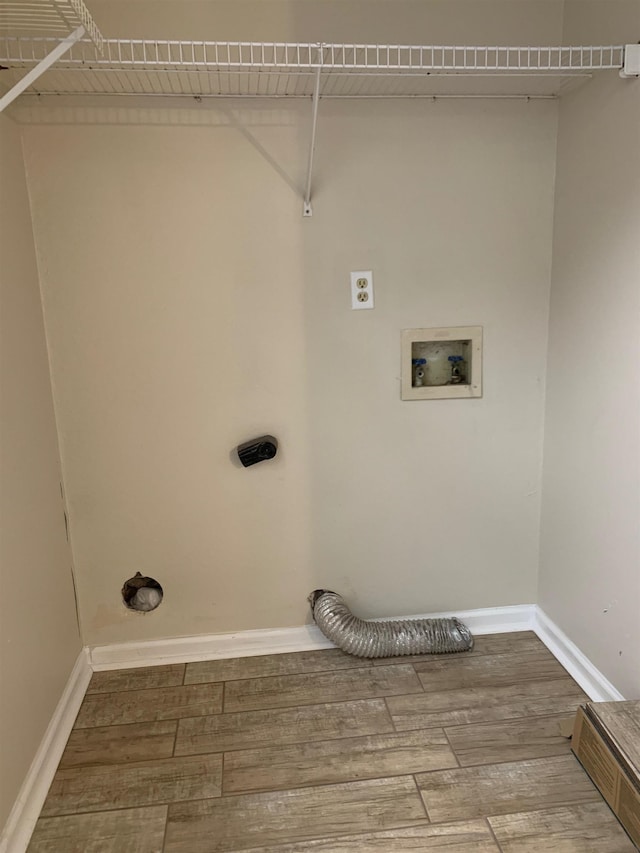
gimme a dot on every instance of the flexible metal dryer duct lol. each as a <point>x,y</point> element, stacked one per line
<point>385,639</point>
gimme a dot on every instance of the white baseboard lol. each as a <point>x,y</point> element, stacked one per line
<point>26,809</point>
<point>496,620</point>
<point>579,667</point>
<point>491,620</point>
<point>269,641</point>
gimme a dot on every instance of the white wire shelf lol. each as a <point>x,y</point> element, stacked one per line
<point>65,22</point>
<point>203,69</point>
<point>47,18</point>
<point>200,69</point>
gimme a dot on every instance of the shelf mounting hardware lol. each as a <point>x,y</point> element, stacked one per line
<point>31,76</point>
<point>631,67</point>
<point>315,99</point>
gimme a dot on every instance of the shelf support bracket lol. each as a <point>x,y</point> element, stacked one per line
<point>307,210</point>
<point>39,69</point>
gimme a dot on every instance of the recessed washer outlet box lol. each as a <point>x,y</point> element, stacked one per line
<point>443,363</point>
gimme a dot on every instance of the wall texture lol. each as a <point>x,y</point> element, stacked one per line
<point>39,639</point>
<point>590,547</point>
<point>190,306</point>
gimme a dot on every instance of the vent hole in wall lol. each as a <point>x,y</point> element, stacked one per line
<point>141,593</point>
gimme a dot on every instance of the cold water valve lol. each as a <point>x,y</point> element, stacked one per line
<point>457,368</point>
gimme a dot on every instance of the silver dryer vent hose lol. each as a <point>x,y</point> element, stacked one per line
<point>385,639</point>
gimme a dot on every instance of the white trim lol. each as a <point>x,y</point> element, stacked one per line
<point>496,620</point>
<point>207,647</point>
<point>28,805</point>
<point>493,620</point>
<point>579,667</point>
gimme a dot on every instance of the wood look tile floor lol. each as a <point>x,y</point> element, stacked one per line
<point>319,752</point>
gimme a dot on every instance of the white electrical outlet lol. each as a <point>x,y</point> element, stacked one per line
<point>362,289</point>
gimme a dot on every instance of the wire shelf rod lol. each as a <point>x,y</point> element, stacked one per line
<point>310,74</point>
<point>185,96</point>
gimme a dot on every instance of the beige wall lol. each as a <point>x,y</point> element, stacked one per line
<point>589,579</point>
<point>190,306</point>
<point>372,21</point>
<point>39,638</point>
